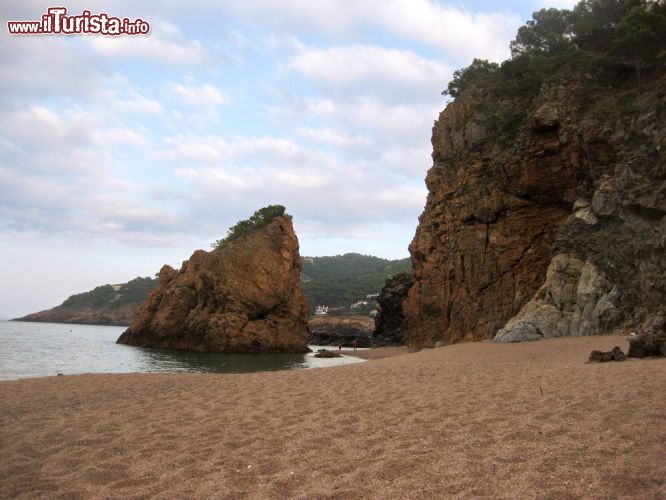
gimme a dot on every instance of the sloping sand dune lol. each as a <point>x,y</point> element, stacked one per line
<point>466,420</point>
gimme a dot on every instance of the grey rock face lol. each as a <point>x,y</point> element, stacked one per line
<point>575,300</point>
<point>609,266</point>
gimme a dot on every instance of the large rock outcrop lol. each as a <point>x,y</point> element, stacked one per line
<point>243,297</point>
<point>390,321</point>
<point>554,226</point>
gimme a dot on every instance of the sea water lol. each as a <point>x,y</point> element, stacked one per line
<point>47,349</point>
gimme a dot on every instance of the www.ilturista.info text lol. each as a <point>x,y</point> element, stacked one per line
<point>56,21</point>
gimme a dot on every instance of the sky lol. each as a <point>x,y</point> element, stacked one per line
<point>121,154</point>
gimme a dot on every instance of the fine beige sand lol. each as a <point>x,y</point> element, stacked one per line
<point>519,420</point>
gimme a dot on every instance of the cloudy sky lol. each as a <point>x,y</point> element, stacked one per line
<point>120,154</point>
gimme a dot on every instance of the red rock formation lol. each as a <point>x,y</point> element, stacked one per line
<point>566,179</point>
<point>484,240</point>
<point>244,297</point>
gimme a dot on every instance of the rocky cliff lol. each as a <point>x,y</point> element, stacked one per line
<point>245,296</point>
<point>549,221</point>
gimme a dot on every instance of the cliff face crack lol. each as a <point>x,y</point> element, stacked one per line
<point>486,242</point>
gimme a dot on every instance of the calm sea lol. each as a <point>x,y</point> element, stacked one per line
<point>45,349</point>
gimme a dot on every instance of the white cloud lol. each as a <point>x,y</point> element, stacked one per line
<point>165,43</point>
<point>119,136</point>
<point>212,150</point>
<point>43,67</point>
<point>393,123</point>
<point>335,137</point>
<point>396,74</point>
<point>132,102</point>
<point>448,28</point>
<point>484,34</point>
<point>341,196</point>
<point>204,95</point>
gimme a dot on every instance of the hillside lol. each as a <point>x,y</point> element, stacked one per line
<point>103,305</point>
<point>336,281</point>
<point>341,280</point>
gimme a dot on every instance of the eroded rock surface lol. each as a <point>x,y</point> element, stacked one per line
<point>244,297</point>
<point>553,226</point>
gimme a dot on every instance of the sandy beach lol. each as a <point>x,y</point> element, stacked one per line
<point>480,419</point>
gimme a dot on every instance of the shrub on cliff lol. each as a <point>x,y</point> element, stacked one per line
<point>602,39</point>
<point>479,70</point>
<point>260,218</point>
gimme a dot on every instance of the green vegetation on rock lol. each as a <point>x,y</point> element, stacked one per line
<point>598,46</point>
<point>260,218</point>
<point>605,42</point>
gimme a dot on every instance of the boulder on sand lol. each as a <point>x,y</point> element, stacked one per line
<point>615,354</point>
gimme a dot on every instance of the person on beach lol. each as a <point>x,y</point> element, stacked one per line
<point>354,344</point>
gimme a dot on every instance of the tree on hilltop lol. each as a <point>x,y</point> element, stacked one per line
<point>260,218</point>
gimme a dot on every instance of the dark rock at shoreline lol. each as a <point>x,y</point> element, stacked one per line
<point>615,354</point>
<point>341,331</point>
<point>324,353</point>
<point>390,321</point>
<point>243,297</point>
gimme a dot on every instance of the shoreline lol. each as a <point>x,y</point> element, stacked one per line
<point>471,419</point>
<point>369,353</point>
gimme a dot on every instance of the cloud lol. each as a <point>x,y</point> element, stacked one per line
<point>448,28</point>
<point>130,101</point>
<point>335,137</point>
<point>342,198</point>
<point>165,44</point>
<point>120,137</point>
<point>41,67</point>
<point>394,74</point>
<point>61,174</point>
<point>227,179</point>
<point>204,95</point>
<point>212,149</point>
<point>391,123</point>
<point>453,30</point>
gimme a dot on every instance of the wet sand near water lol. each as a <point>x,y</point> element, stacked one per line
<point>476,419</point>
